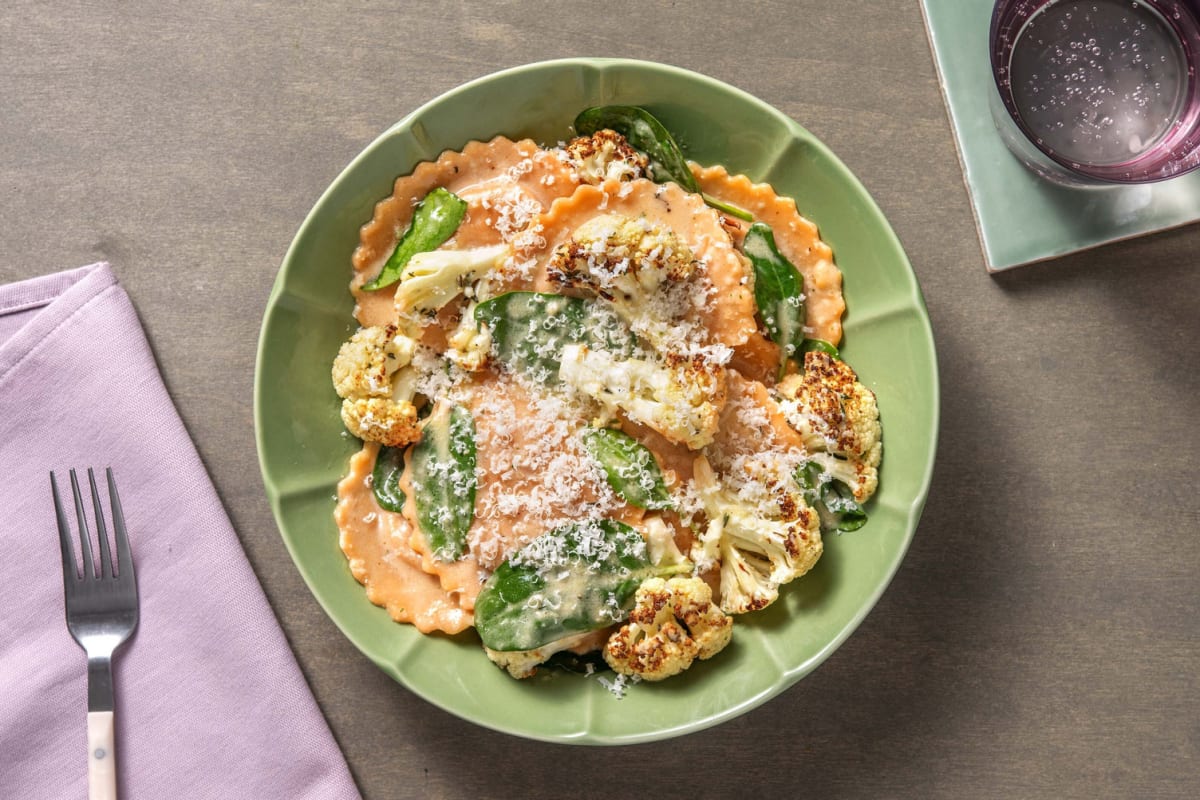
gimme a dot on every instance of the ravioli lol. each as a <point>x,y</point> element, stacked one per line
<point>796,237</point>
<point>376,544</point>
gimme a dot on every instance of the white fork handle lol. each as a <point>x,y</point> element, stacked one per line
<point>102,761</point>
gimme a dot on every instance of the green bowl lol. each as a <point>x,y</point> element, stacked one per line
<point>303,448</point>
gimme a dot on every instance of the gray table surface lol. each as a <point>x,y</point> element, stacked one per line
<point>1042,638</point>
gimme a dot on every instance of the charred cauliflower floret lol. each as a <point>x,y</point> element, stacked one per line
<point>366,362</point>
<point>372,375</point>
<point>433,279</point>
<point>622,259</point>
<point>381,419</point>
<point>605,155</point>
<point>760,546</point>
<point>680,396</point>
<point>839,420</point>
<point>673,623</point>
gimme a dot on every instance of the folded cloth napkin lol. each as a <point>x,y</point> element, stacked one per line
<point>210,701</point>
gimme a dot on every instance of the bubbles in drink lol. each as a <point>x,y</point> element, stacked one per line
<point>1098,81</point>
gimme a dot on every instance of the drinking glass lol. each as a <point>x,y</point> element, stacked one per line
<point>1098,92</point>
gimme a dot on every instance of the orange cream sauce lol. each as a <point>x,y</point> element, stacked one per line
<point>796,237</point>
<point>751,421</point>
<point>523,453</point>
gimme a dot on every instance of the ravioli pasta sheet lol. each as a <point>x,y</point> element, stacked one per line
<point>596,439</point>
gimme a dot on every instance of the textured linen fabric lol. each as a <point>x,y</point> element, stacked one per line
<point>210,702</point>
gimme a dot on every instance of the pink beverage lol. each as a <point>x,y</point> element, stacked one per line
<point>1105,89</point>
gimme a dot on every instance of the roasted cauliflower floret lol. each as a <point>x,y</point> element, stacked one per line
<point>381,419</point>
<point>760,546</point>
<point>621,259</point>
<point>673,623</point>
<point>605,155</point>
<point>839,420</point>
<point>829,407</point>
<point>433,279</point>
<point>366,362</point>
<point>372,375</point>
<point>680,396</point>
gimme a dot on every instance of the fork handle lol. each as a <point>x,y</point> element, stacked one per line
<point>102,762</point>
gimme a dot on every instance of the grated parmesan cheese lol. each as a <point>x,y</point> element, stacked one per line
<point>619,684</point>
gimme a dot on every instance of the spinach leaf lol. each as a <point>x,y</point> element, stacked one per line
<point>435,219</point>
<point>385,478</point>
<point>443,480</point>
<point>629,467</point>
<point>644,133</point>
<point>649,136</point>
<point>529,330</point>
<point>832,499</point>
<point>778,290</point>
<point>577,578</point>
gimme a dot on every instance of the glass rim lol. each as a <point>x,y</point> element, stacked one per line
<point>1176,152</point>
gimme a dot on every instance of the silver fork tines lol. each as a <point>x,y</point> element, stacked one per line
<point>102,612</point>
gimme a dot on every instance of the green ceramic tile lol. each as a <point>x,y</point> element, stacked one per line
<point>1022,218</point>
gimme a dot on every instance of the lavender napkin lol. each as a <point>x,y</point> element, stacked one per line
<point>210,701</point>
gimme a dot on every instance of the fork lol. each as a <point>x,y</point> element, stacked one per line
<point>102,611</point>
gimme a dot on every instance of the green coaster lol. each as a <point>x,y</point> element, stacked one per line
<point>1023,218</point>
